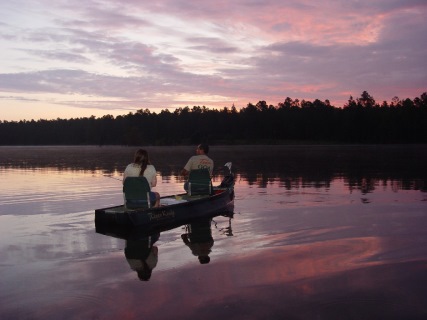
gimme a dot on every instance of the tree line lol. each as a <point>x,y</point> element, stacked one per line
<point>360,120</point>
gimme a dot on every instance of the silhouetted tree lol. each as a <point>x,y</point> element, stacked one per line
<point>359,121</point>
<point>366,100</point>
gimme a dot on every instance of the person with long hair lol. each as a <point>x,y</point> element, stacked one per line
<point>141,166</point>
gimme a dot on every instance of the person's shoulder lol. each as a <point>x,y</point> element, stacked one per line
<point>132,166</point>
<point>207,157</point>
<point>193,158</point>
<point>203,156</point>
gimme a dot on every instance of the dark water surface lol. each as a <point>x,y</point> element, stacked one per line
<point>318,232</point>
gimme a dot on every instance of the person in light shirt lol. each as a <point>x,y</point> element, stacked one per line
<point>141,166</point>
<point>199,161</point>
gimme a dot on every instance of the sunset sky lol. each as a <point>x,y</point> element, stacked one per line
<point>64,59</point>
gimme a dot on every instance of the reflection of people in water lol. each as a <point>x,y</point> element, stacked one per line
<point>142,255</point>
<point>199,239</point>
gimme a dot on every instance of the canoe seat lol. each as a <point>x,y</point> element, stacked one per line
<point>136,191</point>
<point>199,182</point>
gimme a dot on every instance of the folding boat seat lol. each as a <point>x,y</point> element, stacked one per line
<point>199,182</point>
<point>136,191</point>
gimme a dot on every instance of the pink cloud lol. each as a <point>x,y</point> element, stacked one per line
<point>240,51</point>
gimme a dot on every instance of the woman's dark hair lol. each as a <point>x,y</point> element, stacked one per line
<point>141,158</point>
<point>144,274</point>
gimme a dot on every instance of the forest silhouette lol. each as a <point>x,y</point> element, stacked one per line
<point>361,120</point>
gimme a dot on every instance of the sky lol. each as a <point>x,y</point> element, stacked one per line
<point>71,59</point>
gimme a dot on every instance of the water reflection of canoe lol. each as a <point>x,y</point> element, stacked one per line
<point>173,209</point>
<point>128,232</point>
<point>141,252</point>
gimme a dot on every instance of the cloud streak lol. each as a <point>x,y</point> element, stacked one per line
<point>115,55</point>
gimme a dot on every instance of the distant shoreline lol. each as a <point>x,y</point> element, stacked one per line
<point>242,143</point>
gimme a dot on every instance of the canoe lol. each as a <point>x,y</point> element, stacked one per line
<point>138,232</point>
<point>173,209</point>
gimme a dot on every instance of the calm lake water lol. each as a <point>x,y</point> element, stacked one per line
<point>318,232</point>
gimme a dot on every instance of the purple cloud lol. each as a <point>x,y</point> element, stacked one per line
<point>164,53</point>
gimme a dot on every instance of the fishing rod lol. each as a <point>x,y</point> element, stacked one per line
<point>112,177</point>
<point>170,191</point>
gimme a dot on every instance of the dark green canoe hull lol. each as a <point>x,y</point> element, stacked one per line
<point>193,207</point>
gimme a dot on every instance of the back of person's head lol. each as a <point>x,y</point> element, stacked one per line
<point>145,274</point>
<point>141,156</point>
<point>204,259</point>
<point>204,147</point>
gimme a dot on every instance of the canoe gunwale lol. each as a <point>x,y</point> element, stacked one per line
<point>197,206</point>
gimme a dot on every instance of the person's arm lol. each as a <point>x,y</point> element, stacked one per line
<point>124,176</point>
<point>154,180</point>
<point>153,173</point>
<point>186,170</point>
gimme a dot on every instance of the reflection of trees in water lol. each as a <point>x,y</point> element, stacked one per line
<point>366,183</point>
<point>363,168</point>
<point>370,184</point>
<point>286,181</point>
<point>357,175</point>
